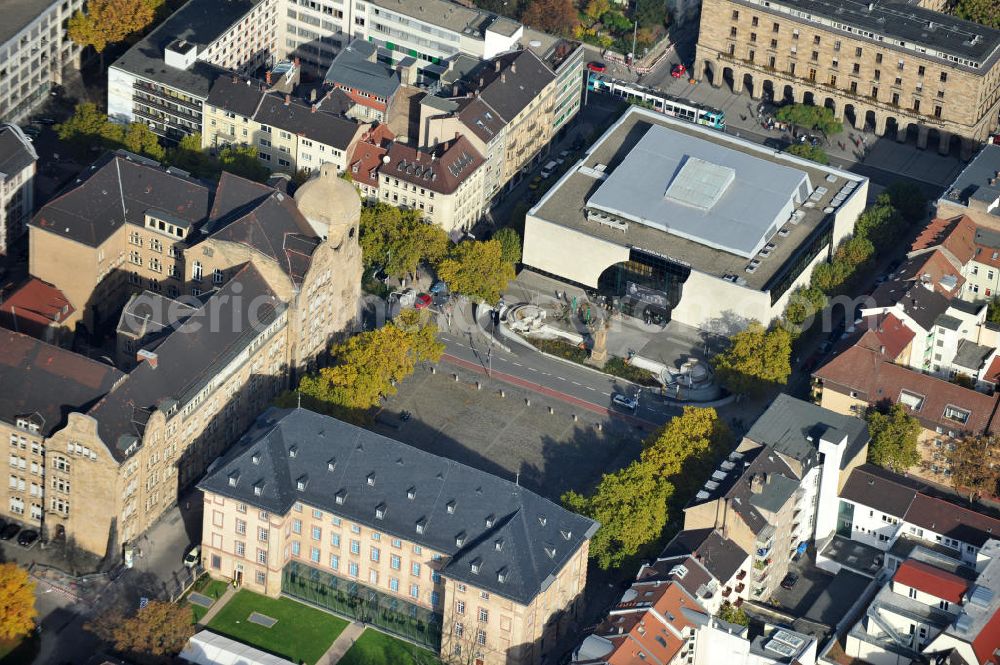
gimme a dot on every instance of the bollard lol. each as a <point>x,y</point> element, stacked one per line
<point>527,402</point>
<point>456,378</point>
<point>600,427</point>
<point>502,394</point>
<point>433,370</point>
<point>575,418</point>
<point>551,411</point>
<point>479,386</point>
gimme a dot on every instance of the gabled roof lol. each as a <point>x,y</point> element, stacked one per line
<point>938,403</point>
<point>116,189</point>
<point>955,234</point>
<point>720,556</point>
<point>875,488</point>
<point>33,307</point>
<point>188,358</point>
<point>46,382</point>
<point>366,162</point>
<point>886,334</point>
<point>237,94</point>
<point>263,219</point>
<point>496,535</point>
<point>509,82</point>
<point>299,118</point>
<point>931,580</point>
<point>356,67</point>
<point>441,169</point>
<point>16,151</point>
<point>987,642</point>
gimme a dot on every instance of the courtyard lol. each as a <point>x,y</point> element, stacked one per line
<point>376,648</point>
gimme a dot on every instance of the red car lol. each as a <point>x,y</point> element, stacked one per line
<point>423,301</point>
<point>677,71</point>
<point>598,67</point>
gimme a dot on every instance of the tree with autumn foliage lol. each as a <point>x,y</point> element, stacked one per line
<point>159,629</point>
<point>368,366</point>
<point>555,16</point>
<point>975,466</point>
<point>477,269</point>
<point>757,359</point>
<point>17,602</point>
<point>104,22</point>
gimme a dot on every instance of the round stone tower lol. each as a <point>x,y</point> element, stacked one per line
<point>331,205</point>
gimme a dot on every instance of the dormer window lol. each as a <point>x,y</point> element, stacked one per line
<point>371,479</point>
<point>460,539</point>
<point>255,458</point>
<point>234,478</point>
<point>411,493</point>
<point>380,511</point>
<point>331,465</point>
<point>490,521</point>
<point>293,451</point>
<point>498,545</point>
<point>258,488</point>
<point>340,497</point>
<point>476,565</point>
<point>542,520</point>
<point>502,575</point>
<point>301,483</point>
<point>421,523</point>
<point>451,507</point>
<point>550,551</point>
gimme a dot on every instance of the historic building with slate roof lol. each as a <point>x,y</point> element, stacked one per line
<point>447,555</point>
<point>258,285</point>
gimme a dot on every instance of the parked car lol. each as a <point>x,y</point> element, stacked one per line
<point>439,287</point>
<point>44,121</point>
<point>630,402</point>
<point>27,538</point>
<point>790,580</point>
<point>598,67</point>
<point>423,301</point>
<point>678,71</point>
<point>549,169</point>
<point>9,531</point>
<point>193,557</point>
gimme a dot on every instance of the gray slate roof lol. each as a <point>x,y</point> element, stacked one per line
<point>16,151</point>
<point>188,358</point>
<point>793,427</point>
<point>974,181</point>
<point>298,118</point>
<point>720,556</point>
<point>115,189</point>
<point>199,22</point>
<point>45,380</point>
<point>332,458</point>
<point>355,67</point>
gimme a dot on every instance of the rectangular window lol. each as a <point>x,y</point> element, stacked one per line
<point>415,591</point>
<point>314,554</point>
<point>241,527</point>
<point>335,540</point>
<point>352,569</point>
<point>297,526</point>
<point>296,548</point>
<point>335,562</point>
<point>415,569</point>
<point>484,615</point>
<point>261,556</point>
<point>394,561</point>
<point>355,547</point>
<point>317,533</point>
<point>394,584</point>
<point>375,554</point>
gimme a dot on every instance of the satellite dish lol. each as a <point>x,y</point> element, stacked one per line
<point>385,159</point>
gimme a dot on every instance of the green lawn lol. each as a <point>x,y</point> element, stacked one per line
<point>301,634</point>
<point>207,587</point>
<point>376,648</point>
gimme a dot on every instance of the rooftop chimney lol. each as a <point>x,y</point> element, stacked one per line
<point>288,99</point>
<point>513,68</point>
<point>267,78</point>
<point>312,109</point>
<point>454,90</point>
<point>503,77</point>
<point>496,67</point>
<point>312,95</point>
<point>148,356</point>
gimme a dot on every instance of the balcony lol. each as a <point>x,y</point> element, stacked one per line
<point>763,552</point>
<point>761,564</point>
<point>156,91</point>
<point>740,588</point>
<point>741,575</point>
<point>164,106</point>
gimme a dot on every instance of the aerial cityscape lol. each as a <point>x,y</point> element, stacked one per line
<point>500,332</point>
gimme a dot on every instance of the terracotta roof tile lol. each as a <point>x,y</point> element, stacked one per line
<point>988,641</point>
<point>956,234</point>
<point>441,170</point>
<point>33,307</point>
<point>934,581</point>
<point>889,335</point>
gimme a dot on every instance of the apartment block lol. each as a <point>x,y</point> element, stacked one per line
<point>898,68</point>
<point>34,52</point>
<point>17,184</point>
<point>370,84</point>
<point>444,183</point>
<point>165,78</point>
<point>777,491</point>
<point>975,192</point>
<point>863,375</point>
<point>472,566</point>
<point>271,280</point>
<point>288,133</point>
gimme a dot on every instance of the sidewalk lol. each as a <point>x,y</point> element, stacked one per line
<point>342,644</point>
<point>217,606</point>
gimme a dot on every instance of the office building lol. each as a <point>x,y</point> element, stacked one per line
<point>318,509</point>
<point>17,184</point>
<point>669,218</point>
<point>898,68</point>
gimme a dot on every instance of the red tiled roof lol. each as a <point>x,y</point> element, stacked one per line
<point>365,163</point>
<point>934,581</point>
<point>935,266</point>
<point>441,169</point>
<point>988,641</point>
<point>956,234</point>
<point>864,371</point>
<point>888,333</point>
<point>33,307</point>
<point>992,374</point>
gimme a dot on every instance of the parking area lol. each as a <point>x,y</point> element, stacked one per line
<point>515,436</point>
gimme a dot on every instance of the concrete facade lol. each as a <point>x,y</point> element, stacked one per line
<point>17,185</point>
<point>893,91</point>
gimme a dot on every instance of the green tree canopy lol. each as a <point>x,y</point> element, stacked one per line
<point>189,156</point>
<point>510,245</point>
<point>399,239</point>
<point>894,434</point>
<point>477,269</point>
<point>908,199</point>
<point>89,127</point>
<point>683,451</point>
<point>807,116</point>
<point>555,16</point>
<point>242,160</point>
<point>975,466</point>
<point>140,139</point>
<point>368,366</point>
<point>880,223</point>
<point>985,12</point>
<point>813,153</point>
<point>805,301</point>
<point>631,505</point>
<point>104,22</point>
<point>732,614</point>
<point>757,359</point>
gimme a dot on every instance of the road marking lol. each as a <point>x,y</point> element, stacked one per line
<point>604,393</point>
<point>532,369</point>
<point>519,364</point>
<point>591,388</point>
<point>560,378</point>
<point>576,383</point>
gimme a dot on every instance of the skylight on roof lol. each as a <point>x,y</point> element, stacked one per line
<point>700,184</point>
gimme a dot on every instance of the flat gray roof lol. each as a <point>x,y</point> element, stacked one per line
<point>450,16</point>
<point>974,180</point>
<point>18,14</point>
<point>706,192</point>
<point>565,203</point>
